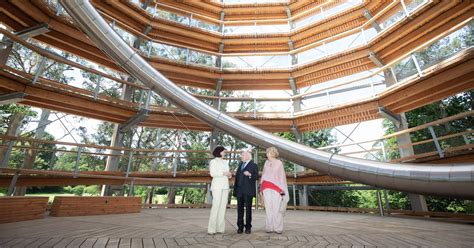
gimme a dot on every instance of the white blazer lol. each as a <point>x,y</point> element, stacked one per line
<point>217,167</point>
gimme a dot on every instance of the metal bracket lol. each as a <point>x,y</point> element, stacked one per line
<point>33,31</point>
<point>12,98</point>
<point>374,24</point>
<point>396,119</point>
<point>374,58</point>
<point>139,117</point>
<point>297,133</point>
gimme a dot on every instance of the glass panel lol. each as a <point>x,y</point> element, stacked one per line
<point>404,69</point>
<point>447,46</point>
<point>202,58</point>
<point>414,4</point>
<point>277,61</point>
<point>311,54</point>
<point>393,19</point>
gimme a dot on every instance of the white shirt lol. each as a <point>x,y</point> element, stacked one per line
<point>217,167</point>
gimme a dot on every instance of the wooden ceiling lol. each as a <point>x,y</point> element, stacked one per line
<point>443,80</point>
<point>436,18</point>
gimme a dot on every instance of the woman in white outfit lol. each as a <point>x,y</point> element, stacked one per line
<point>275,191</point>
<point>219,170</point>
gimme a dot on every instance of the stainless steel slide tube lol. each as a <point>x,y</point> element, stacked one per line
<point>449,180</point>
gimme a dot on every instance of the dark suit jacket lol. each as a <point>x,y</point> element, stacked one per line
<point>244,184</point>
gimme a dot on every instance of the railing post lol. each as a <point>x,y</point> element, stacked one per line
<point>292,107</point>
<point>150,46</point>
<point>436,142</point>
<point>97,87</point>
<point>50,165</point>
<point>394,75</point>
<point>175,163</point>
<point>39,70</point>
<point>187,56</point>
<point>418,68</point>
<point>384,153</point>
<point>255,108</point>
<point>379,203</point>
<point>131,189</point>
<point>329,99</point>
<point>372,86</point>
<point>405,8</point>
<point>363,35</point>
<point>129,165</point>
<point>148,98</point>
<point>385,196</point>
<point>78,160</point>
<point>466,140</point>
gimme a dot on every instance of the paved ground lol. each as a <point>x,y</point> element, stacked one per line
<point>187,228</point>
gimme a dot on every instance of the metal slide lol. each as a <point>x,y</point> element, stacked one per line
<point>456,180</point>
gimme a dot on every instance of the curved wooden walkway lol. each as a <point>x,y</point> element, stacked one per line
<point>187,228</point>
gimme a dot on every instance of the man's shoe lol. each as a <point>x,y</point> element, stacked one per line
<point>240,231</point>
<point>247,231</point>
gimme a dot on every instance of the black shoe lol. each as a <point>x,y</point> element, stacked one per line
<point>247,231</point>
<point>240,231</point>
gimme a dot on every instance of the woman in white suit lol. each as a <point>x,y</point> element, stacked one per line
<point>219,170</point>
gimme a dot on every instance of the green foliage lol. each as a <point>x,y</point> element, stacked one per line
<point>399,200</point>
<point>437,51</point>
<point>76,190</point>
<point>194,196</point>
<point>197,160</point>
<point>448,204</point>
<point>315,139</point>
<point>333,198</point>
<point>8,111</point>
<point>453,105</point>
<point>92,190</point>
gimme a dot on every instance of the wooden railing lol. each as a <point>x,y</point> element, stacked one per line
<point>152,153</point>
<point>288,99</point>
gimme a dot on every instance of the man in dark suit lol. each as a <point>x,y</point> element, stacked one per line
<point>244,190</point>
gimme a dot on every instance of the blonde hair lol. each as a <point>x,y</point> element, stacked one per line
<point>273,152</point>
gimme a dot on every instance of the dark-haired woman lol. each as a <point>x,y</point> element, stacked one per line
<point>219,170</point>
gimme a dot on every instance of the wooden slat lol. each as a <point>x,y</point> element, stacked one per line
<point>80,206</point>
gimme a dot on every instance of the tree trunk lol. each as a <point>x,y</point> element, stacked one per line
<point>149,195</point>
<point>13,130</point>
<point>31,154</point>
<point>171,195</point>
<point>184,196</point>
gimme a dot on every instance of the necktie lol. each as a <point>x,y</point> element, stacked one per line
<point>243,166</point>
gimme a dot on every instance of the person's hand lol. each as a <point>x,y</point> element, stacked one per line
<point>246,173</point>
<point>228,174</point>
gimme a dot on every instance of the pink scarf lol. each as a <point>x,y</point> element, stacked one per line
<point>274,172</point>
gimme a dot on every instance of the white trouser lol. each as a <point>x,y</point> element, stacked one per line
<point>274,219</point>
<point>217,216</point>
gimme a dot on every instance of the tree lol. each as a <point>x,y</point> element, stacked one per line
<point>450,106</point>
